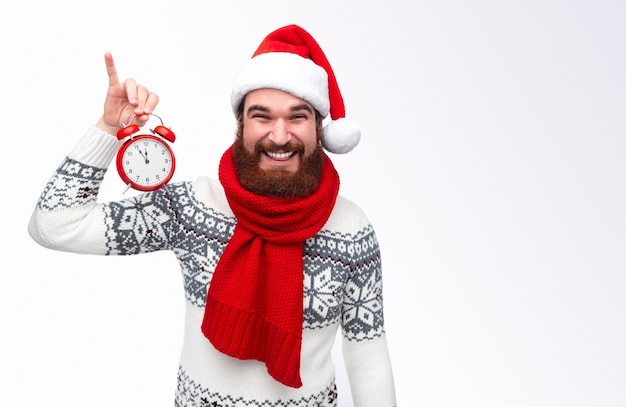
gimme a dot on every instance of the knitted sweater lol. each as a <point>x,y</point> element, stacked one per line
<point>342,280</point>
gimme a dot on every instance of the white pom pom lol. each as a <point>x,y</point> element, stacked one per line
<point>341,136</point>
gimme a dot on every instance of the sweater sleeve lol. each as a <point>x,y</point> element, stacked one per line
<point>369,372</point>
<point>364,343</point>
<point>68,216</point>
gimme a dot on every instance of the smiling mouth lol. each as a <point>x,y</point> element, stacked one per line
<point>279,156</point>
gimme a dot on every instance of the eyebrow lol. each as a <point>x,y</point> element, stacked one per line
<point>295,108</point>
<point>302,107</point>
<point>257,107</point>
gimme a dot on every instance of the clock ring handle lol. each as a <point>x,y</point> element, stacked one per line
<point>131,128</point>
<point>132,117</point>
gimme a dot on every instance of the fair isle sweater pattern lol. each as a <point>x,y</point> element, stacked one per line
<point>342,272</point>
<point>190,394</point>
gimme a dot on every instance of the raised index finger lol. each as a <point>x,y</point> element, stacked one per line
<point>111,70</point>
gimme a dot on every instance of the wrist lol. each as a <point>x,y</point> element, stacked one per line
<point>112,130</point>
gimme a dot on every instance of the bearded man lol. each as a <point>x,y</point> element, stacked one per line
<point>274,260</point>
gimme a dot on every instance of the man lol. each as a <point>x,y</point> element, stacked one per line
<point>274,260</point>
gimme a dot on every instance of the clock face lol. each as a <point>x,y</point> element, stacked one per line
<point>145,162</point>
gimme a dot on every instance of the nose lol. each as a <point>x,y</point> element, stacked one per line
<point>279,134</point>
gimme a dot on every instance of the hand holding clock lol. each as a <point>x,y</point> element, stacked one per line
<point>127,107</point>
<point>123,100</point>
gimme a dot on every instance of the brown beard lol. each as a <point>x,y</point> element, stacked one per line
<point>301,183</point>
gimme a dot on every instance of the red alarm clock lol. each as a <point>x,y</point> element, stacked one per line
<point>146,162</point>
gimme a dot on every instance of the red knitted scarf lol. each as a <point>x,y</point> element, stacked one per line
<point>254,305</point>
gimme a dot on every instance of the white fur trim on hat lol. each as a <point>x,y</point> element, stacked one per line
<point>284,71</point>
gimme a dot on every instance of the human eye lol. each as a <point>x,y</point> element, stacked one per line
<point>258,113</point>
<point>301,112</point>
<point>301,116</point>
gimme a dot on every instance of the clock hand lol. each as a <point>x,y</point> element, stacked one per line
<point>145,157</point>
<point>140,152</point>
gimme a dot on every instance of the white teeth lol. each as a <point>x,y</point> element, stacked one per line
<point>279,156</point>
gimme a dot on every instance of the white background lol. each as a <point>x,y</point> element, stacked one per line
<point>491,164</point>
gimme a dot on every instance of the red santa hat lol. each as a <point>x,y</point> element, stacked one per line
<point>289,59</point>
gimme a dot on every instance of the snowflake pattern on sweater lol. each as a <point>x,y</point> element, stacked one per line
<point>342,271</point>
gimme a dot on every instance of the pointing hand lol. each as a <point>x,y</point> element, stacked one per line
<point>123,100</point>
